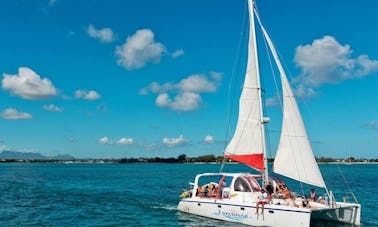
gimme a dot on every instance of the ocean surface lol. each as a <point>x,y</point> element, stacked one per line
<point>50,194</point>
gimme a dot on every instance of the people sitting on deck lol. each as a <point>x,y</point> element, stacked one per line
<point>305,202</point>
<point>211,190</point>
<point>263,199</point>
<point>312,195</point>
<point>208,190</point>
<point>279,187</point>
<point>292,202</point>
<point>282,190</point>
<point>322,200</point>
<point>201,191</point>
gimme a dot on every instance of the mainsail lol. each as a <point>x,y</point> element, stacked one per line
<point>248,143</point>
<point>294,157</point>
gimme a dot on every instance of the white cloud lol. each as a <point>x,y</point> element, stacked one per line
<point>157,88</point>
<point>88,95</point>
<point>186,93</point>
<point>139,49</point>
<point>326,61</point>
<point>105,35</point>
<point>52,108</point>
<point>198,84</point>
<point>121,141</point>
<point>28,85</point>
<point>163,100</point>
<point>185,101</point>
<point>13,114</point>
<point>177,53</point>
<point>305,92</point>
<point>104,140</point>
<point>125,141</point>
<point>209,139</point>
<point>217,76</point>
<point>174,142</point>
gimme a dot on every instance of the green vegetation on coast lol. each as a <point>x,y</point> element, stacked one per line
<point>180,159</point>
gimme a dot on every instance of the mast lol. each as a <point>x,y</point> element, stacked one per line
<point>252,40</point>
<point>247,145</point>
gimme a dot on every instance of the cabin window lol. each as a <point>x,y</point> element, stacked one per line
<point>255,185</point>
<point>242,185</point>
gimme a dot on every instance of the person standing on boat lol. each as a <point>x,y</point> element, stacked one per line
<point>270,189</point>
<point>312,194</point>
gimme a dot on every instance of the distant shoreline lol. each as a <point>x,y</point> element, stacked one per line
<point>119,161</point>
<point>11,156</point>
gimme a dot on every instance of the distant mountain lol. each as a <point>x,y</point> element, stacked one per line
<point>63,157</point>
<point>29,155</point>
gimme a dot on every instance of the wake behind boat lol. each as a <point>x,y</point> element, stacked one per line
<point>260,199</point>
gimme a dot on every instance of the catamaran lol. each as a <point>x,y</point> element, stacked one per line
<point>260,199</point>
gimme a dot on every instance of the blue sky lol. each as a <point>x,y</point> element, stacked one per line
<point>110,79</point>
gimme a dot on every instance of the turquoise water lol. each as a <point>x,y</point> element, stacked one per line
<point>36,194</point>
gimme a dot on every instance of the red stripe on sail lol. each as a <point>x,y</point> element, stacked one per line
<point>254,160</point>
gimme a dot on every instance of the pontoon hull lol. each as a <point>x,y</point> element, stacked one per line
<point>348,213</point>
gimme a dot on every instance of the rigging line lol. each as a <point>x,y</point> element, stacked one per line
<point>274,75</point>
<point>234,73</point>
<point>347,184</point>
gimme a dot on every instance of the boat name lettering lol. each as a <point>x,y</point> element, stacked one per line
<point>232,214</point>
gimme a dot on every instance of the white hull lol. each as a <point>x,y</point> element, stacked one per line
<point>273,215</point>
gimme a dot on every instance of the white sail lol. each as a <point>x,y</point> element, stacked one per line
<point>294,157</point>
<point>247,145</point>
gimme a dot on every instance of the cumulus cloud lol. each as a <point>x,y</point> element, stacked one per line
<point>139,49</point>
<point>326,61</point>
<point>198,84</point>
<point>52,108</point>
<point>104,140</point>
<point>28,85</point>
<point>174,142</point>
<point>303,91</point>
<point>13,114</point>
<point>186,94</point>
<point>125,141</point>
<point>105,35</point>
<point>185,101</point>
<point>121,141</point>
<point>88,95</point>
<point>177,53</point>
<point>209,139</point>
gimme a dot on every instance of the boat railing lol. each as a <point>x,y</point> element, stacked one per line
<point>348,197</point>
